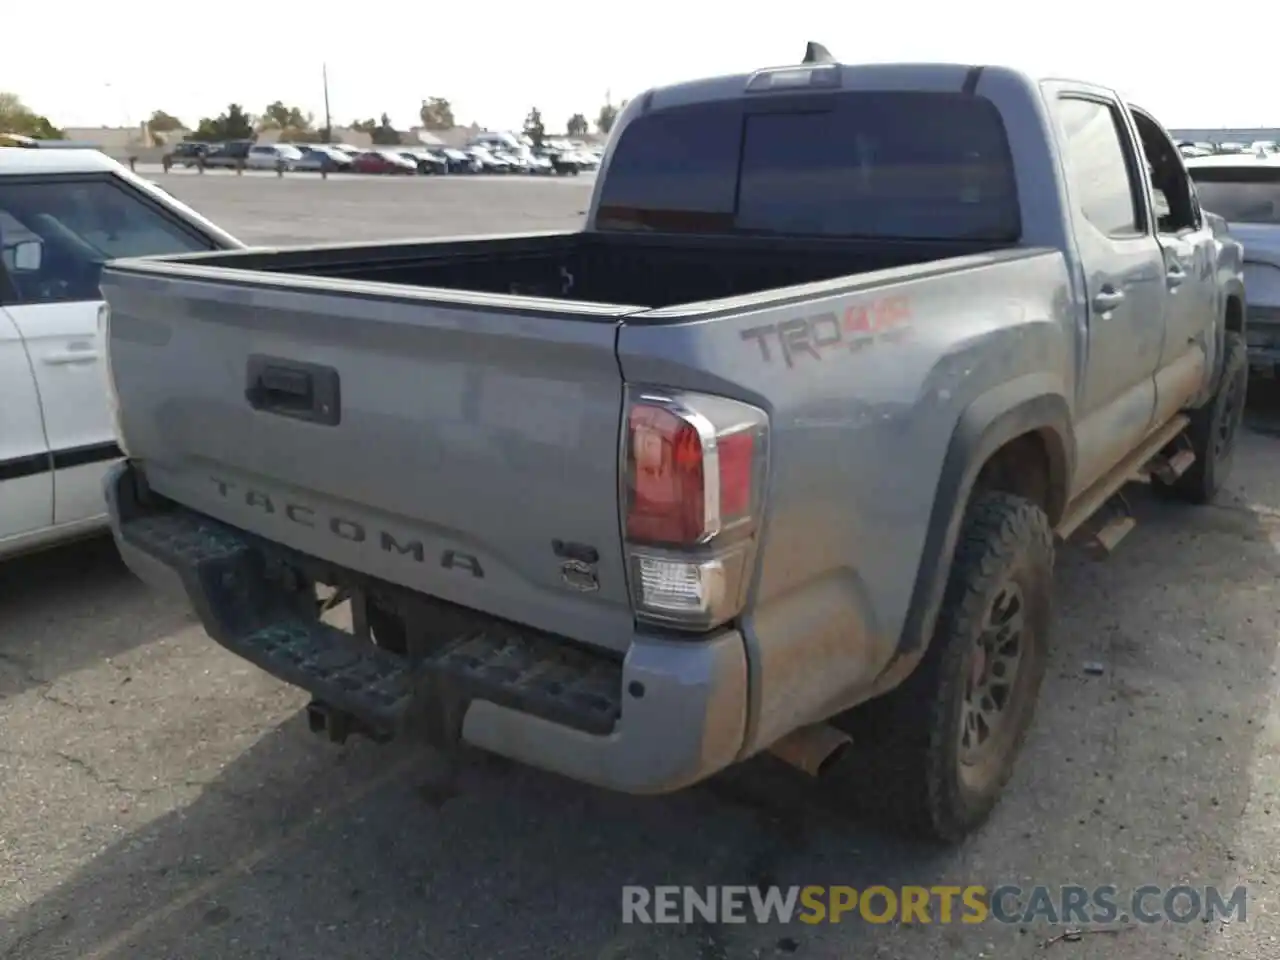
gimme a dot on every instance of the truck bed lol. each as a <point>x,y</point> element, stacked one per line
<point>649,270</point>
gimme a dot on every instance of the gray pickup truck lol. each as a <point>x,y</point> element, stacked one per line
<point>770,457</point>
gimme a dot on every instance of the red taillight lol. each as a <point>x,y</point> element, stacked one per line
<point>687,480</point>
<point>693,467</point>
<point>668,500</point>
<point>737,467</point>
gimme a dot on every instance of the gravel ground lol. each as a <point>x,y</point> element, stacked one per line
<point>161,799</point>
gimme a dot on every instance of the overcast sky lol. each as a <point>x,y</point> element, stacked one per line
<point>87,63</point>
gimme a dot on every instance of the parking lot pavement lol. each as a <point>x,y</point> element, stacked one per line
<point>161,799</point>
<point>261,208</point>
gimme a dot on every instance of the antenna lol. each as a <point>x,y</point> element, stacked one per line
<point>817,53</point>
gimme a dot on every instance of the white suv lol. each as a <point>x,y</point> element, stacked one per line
<point>63,213</point>
<point>266,156</point>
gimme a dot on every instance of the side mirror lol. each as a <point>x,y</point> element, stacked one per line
<point>27,256</point>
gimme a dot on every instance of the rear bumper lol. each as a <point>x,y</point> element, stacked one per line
<point>668,715</point>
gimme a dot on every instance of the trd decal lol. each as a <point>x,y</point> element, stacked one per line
<point>860,326</point>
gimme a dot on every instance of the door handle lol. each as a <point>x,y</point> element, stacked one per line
<point>78,351</point>
<point>1175,275</point>
<point>1107,299</point>
<point>70,357</point>
<point>287,388</point>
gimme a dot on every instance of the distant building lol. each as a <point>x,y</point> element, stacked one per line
<point>339,135</point>
<point>117,139</point>
<point>1244,135</point>
<point>453,137</point>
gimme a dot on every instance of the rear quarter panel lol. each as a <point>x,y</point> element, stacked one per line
<point>865,386</point>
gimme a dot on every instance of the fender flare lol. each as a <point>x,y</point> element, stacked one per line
<point>1030,404</point>
<point>1232,288</point>
<point>1235,288</point>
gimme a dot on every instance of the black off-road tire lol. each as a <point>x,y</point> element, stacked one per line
<point>904,769</point>
<point>1214,429</point>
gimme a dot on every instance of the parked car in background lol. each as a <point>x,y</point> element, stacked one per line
<point>563,162</point>
<point>427,161</point>
<point>1244,189</point>
<point>272,156</point>
<point>228,155</point>
<point>318,157</point>
<point>63,213</point>
<point>34,143</point>
<point>489,163</point>
<point>514,161</point>
<point>499,141</point>
<point>532,162</point>
<point>383,161</point>
<point>460,161</point>
<point>187,154</point>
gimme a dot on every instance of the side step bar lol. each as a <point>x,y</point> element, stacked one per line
<point>1145,463</point>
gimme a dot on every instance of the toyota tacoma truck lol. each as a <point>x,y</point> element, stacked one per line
<point>770,457</point>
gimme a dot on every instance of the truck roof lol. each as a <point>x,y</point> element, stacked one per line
<point>22,160</point>
<point>939,75</point>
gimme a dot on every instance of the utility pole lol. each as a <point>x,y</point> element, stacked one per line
<point>328,128</point>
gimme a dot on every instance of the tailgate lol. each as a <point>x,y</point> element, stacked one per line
<point>464,450</point>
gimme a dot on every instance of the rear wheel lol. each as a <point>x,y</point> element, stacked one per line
<point>931,758</point>
<point>1215,428</point>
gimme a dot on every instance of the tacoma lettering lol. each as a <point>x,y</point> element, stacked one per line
<point>344,528</point>
<point>859,326</point>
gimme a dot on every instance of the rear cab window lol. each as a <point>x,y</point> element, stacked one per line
<point>883,164</point>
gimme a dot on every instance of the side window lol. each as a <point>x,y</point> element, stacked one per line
<point>1103,175</point>
<point>1172,194</point>
<point>55,235</point>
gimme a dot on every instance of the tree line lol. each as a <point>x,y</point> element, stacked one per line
<point>294,124</point>
<point>298,126</point>
<point>17,117</point>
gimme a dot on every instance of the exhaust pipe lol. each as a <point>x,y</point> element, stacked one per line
<point>813,749</point>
